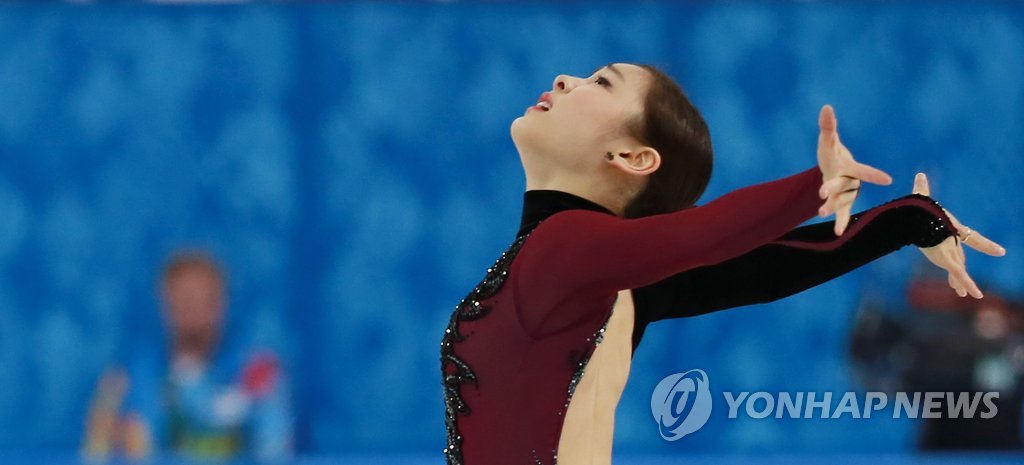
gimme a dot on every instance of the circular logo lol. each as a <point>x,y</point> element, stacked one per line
<point>681,404</point>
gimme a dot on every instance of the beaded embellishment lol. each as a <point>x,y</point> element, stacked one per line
<point>454,371</point>
<point>939,226</point>
<point>934,226</point>
<point>581,366</point>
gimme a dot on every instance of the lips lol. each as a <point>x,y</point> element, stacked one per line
<point>544,102</point>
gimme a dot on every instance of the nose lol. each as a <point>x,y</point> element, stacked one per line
<point>564,83</point>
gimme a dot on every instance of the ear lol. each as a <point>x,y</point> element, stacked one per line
<point>640,161</point>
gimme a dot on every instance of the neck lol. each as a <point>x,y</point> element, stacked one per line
<point>539,204</point>
<point>581,188</point>
<point>194,345</point>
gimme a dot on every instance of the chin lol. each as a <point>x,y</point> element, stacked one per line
<point>517,126</point>
<point>528,127</point>
<point>519,130</point>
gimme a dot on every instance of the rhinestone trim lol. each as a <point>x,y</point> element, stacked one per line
<point>454,370</point>
<point>938,227</point>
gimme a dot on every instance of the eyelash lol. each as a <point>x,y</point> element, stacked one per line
<point>602,81</point>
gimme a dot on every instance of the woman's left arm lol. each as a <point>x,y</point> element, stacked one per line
<point>811,255</point>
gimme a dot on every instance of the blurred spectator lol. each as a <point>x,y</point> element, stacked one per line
<point>945,343</point>
<point>191,397</point>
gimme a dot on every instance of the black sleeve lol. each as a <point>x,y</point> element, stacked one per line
<point>798,260</point>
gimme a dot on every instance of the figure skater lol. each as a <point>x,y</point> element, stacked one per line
<point>535,358</point>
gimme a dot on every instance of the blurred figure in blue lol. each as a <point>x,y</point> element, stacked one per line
<point>191,397</point>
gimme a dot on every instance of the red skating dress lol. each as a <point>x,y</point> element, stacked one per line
<point>517,345</point>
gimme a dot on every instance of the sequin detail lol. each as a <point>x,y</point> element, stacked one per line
<point>580,367</point>
<point>454,371</point>
<point>538,461</point>
<point>934,227</point>
<point>938,227</point>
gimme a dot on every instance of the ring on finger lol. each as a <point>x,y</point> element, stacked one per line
<point>966,236</point>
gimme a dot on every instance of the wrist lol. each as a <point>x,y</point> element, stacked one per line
<point>932,225</point>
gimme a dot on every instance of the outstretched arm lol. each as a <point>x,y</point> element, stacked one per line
<point>587,251</point>
<point>577,255</point>
<point>798,260</point>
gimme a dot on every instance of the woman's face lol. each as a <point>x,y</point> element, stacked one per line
<point>580,119</point>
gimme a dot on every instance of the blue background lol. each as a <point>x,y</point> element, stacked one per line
<point>351,164</point>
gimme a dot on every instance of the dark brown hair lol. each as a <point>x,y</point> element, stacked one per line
<point>672,126</point>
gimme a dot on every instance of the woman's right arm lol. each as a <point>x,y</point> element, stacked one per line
<point>586,251</point>
<point>577,255</point>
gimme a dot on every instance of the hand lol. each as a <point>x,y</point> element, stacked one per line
<point>102,422</point>
<point>136,437</point>
<point>949,254</point>
<point>841,174</point>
